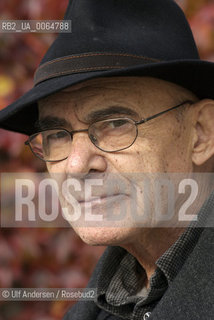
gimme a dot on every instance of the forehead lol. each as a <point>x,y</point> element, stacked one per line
<point>140,94</point>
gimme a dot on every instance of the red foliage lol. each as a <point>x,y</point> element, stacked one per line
<point>203,28</point>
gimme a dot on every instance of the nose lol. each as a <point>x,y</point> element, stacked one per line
<point>84,157</point>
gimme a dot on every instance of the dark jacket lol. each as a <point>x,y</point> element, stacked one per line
<point>190,296</point>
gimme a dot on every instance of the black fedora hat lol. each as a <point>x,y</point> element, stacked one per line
<point>115,38</point>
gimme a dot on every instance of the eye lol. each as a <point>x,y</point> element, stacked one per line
<point>56,135</point>
<point>117,123</point>
<point>112,127</point>
<point>112,124</point>
<point>116,126</point>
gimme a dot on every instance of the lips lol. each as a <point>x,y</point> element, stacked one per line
<point>101,198</point>
<point>100,189</point>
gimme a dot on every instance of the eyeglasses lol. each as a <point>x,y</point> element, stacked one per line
<point>109,135</point>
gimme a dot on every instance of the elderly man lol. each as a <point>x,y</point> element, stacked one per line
<point>126,93</point>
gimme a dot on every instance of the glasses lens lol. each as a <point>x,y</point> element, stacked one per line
<point>113,134</point>
<point>51,145</point>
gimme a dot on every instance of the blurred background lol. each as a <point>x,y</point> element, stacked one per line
<point>51,257</point>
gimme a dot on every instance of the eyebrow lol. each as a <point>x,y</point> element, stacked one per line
<point>50,122</point>
<point>110,111</point>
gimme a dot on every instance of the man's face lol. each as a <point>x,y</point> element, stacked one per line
<point>163,144</point>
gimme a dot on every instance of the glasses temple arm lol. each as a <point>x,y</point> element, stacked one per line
<point>162,112</point>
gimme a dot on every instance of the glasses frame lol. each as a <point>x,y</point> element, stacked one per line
<point>136,123</point>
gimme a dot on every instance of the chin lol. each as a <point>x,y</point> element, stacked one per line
<point>105,236</point>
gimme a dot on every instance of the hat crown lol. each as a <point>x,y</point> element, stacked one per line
<point>110,38</point>
<point>152,28</point>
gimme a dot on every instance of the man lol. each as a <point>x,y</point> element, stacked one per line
<point>126,93</point>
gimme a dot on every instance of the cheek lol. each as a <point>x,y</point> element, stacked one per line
<point>139,158</point>
<point>171,153</point>
<point>177,152</point>
<point>56,167</point>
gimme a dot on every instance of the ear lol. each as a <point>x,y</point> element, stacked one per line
<point>203,148</point>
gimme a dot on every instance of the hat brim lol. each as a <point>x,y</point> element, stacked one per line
<point>195,75</point>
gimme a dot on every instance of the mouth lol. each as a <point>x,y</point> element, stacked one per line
<point>103,200</point>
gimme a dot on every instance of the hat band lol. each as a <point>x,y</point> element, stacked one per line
<point>88,62</point>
